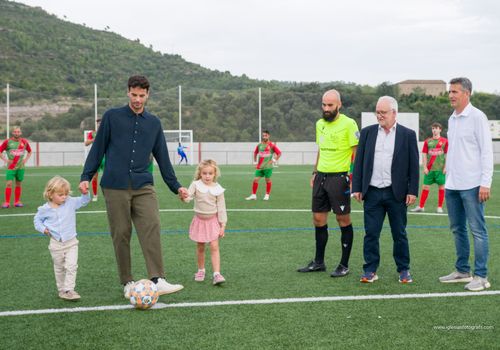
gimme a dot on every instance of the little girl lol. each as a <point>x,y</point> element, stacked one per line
<point>57,220</point>
<point>210,217</point>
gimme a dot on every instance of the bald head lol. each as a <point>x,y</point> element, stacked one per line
<point>331,104</point>
<point>332,94</point>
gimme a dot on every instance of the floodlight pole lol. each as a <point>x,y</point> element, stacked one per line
<point>180,112</point>
<point>260,114</point>
<point>95,106</point>
<point>8,110</point>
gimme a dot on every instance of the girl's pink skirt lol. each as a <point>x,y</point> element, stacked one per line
<point>204,229</point>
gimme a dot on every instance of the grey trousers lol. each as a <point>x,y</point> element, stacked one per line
<point>139,207</point>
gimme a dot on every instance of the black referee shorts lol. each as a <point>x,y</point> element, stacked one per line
<point>331,191</point>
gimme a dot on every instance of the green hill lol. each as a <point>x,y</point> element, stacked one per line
<point>52,66</point>
<point>44,53</point>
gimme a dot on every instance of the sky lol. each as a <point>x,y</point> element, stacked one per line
<point>361,41</point>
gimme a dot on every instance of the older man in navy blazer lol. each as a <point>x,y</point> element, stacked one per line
<point>385,178</point>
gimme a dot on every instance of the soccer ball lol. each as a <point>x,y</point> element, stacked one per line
<point>143,294</point>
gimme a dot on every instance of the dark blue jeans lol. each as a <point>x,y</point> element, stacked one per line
<point>377,203</point>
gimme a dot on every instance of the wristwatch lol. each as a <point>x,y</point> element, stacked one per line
<point>315,172</point>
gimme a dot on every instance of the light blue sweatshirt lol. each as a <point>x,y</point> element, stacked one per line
<point>60,221</point>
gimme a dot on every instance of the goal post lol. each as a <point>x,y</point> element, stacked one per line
<point>185,138</point>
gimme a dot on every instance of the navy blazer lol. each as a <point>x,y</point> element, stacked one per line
<point>405,162</point>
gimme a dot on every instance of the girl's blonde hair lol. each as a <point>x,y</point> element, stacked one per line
<point>206,163</point>
<point>56,184</point>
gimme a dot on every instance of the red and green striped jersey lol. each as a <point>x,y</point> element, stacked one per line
<point>16,150</point>
<point>435,150</point>
<point>265,152</point>
<point>91,135</point>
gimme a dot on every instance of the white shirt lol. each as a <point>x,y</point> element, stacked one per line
<point>382,161</point>
<point>469,163</point>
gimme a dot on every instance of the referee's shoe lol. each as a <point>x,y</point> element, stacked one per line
<point>313,267</point>
<point>340,271</point>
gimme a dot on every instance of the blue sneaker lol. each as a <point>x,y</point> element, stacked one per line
<point>405,277</point>
<point>369,277</point>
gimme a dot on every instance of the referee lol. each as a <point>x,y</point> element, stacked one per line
<point>337,138</point>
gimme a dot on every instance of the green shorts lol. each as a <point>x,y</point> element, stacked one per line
<point>434,177</point>
<point>17,174</point>
<point>101,166</point>
<point>264,173</point>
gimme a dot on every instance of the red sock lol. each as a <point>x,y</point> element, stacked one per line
<point>423,198</point>
<point>255,186</point>
<point>268,187</point>
<point>440,197</point>
<point>94,186</point>
<point>17,194</point>
<point>8,193</point>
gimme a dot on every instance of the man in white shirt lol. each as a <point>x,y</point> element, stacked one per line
<point>469,172</point>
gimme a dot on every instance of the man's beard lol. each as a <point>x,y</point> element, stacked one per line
<point>330,116</point>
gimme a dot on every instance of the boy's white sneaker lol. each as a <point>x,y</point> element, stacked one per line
<point>266,197</point>
<point>417,210</point>
<point>440,210</point>
<point>94,199</point>
<point>252,197</point>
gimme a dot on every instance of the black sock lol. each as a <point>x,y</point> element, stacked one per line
<point>154,280</point>
<point>321,240</point>
<point>346,239</point>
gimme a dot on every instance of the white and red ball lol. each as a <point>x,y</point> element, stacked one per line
<point>143,294</point>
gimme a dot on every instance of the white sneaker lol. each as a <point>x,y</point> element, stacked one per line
<point>456,277</point>
<point>252,197</point>
<point>126,289</point>
<point>478,284</point>
<point>266,197</point>
<point>166,288</point>
<point>417,210</point>
<point>94,199</point>
<point>69,295</point>
<point>440,210</point>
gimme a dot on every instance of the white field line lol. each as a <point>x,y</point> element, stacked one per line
<point>255,302</point>
<point>237,210</point>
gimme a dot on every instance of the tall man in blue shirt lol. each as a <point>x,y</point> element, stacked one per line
<point>127,136</point>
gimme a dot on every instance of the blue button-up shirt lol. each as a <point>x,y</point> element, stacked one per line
<point>60,221</point>
<point>128,140</point>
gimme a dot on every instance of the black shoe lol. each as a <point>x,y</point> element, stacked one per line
<point>340,271</point>
<point>313,267</point>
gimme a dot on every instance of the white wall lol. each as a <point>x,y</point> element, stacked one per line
<point>73,153</point>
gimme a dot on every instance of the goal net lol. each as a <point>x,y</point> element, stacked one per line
<point>173,137</point>
<point>185,139</point>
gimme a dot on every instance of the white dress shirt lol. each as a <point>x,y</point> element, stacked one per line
<point>469,163</point>
<point>382,161</point>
